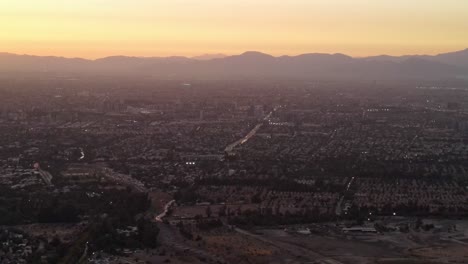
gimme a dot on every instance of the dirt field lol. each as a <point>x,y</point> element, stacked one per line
<point>236,248</point>
<point>64,232</point>
<point>446,243</point>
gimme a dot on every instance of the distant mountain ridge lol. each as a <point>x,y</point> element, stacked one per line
<point>456,58</point>
<point>209,56</point>
<point>252,65</point>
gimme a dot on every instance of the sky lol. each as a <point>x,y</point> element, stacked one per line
<point>99,28</point>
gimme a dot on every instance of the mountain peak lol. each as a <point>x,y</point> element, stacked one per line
<point>255,54</point>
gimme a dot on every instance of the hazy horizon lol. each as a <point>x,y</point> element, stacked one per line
<point>221,55</point>
<point>91,29</point>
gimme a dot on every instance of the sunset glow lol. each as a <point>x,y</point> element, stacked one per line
<point>98,28</point>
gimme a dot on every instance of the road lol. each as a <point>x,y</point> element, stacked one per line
<point>82,154</point>
<point>159,218</point>
<point>46,176</point>
<point>125,180</point>
<point>338,208</point>
<point>85,255</point>
<point>249,135</point>
<point>171,238</point>
<point>243,140</point>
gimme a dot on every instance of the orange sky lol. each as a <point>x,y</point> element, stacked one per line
<point>98,28</point>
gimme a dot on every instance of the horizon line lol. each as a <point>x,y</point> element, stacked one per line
<point>226,55</point>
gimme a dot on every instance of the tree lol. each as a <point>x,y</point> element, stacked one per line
<point>208,211</point>
<point>222,211</point>
<point>418,224</point>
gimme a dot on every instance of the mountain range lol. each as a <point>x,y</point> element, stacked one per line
<point>252,65</point>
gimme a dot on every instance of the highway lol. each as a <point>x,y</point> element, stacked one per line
<point>243,140</point>
<point>338,208</point>
<point>249,135</point>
